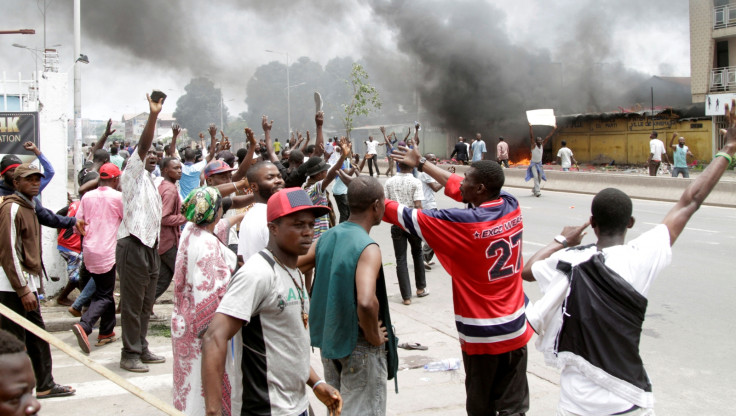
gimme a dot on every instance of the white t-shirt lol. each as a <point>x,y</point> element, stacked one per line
<point>429,200</point>
<point>260,291</point>
<point>371,147</point>
<point>565,155</point>
<point>656,148</point>
<point>638,262</point>
<point>253,231</point>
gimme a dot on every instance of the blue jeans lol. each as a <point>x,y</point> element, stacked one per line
<point>360,378</point>
<point>677,171</point>
<point>85,297</point>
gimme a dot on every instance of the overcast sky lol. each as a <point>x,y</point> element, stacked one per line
<point>135,46</point>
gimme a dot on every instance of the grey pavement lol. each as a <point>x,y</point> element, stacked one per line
<point>686,345</point>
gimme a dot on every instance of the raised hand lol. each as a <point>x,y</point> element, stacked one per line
<point>574,234</point>
<point>109,132</point>
<point>251,137</point>
<point>407,156</point>
<point>175,130</point>
<point>31,148</point>
<point>383,129</point>
<point>201,135</point>
<point>319,118</point>
<point>266,124</point>
<point>154,107</point>
<point>212,130</point>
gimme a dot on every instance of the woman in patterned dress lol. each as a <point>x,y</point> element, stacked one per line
<point>204,266</point>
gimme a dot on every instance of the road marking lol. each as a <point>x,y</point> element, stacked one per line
<point>102,388</point>
<point>687,228</point>
<point>532,243</point>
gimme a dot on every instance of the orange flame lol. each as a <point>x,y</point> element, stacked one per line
<point>524,161</point>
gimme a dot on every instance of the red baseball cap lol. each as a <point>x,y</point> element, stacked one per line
<point>215,167</point>
<point>290,200</point>
<point>109,171</point>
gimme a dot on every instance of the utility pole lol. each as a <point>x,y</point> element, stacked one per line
<point>77,92</point>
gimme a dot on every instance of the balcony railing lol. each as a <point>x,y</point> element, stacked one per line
<point>724,16</point>
<point>723,79</point>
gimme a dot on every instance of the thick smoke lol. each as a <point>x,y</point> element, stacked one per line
<point>473,78</point>
<point>461,60</point>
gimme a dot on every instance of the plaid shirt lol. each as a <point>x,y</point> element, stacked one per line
<point>404,188</point>
<point>141,203</point>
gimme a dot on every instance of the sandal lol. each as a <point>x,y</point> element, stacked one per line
<point>57,391</point>
<point>105,339</point>
<point>413,346</point>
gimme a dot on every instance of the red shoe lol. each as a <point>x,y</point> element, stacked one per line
<point>81,337</point>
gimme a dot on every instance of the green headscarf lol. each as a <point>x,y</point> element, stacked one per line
<point>201,205</point>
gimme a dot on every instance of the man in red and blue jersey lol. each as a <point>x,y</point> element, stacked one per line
<point>480,248</point>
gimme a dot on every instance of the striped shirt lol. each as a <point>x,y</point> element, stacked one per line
<point>318,197</point>
<point>481,249</point>
<point>141,203</point>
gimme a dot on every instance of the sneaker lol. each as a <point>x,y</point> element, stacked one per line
<point>82,339</point>
<point>74,312</point>
<point>133,364</point>
<point>427,266</point>
<point>105,339</point>
<point>150,358</point>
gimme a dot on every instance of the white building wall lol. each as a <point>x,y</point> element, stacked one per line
<point>54,113</point>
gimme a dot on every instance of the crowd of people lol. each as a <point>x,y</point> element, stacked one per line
<point>263,269</point>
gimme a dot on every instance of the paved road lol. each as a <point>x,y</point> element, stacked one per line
<point>686,343</point>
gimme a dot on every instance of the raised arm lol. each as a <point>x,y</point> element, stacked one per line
<point>243,167</point>
<point>416,134</point>
<point>531,135</point>
<point>573,234</point>
<point>385,139</point>
<point>213,142</point>
<point>101,142</point>
<point>346,146</point>
<point>319,119</point>
<point>411,157</point>
<point>144,143</point>
<point>305,143</point>
<point>549,136</point>
<point>408,133</point>
<point>267,125</point>
<point>672,140</point>
<point>698,190</point>
<point>175,131</point>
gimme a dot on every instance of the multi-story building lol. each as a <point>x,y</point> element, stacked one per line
<point>134,124</point>
<point>713,58</point>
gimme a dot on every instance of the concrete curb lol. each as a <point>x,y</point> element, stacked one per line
<point>636,185</point>
<point>640,187</point>
<point>60,324</point>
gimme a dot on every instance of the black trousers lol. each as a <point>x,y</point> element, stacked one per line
<point>102,305</point>
<point>138,267</point>
<point>496,383</point>
<point>342,206</point>
<point>373,162</point>
<point>400,239</point>
<point>38,349</point>
<point>166,271</point>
